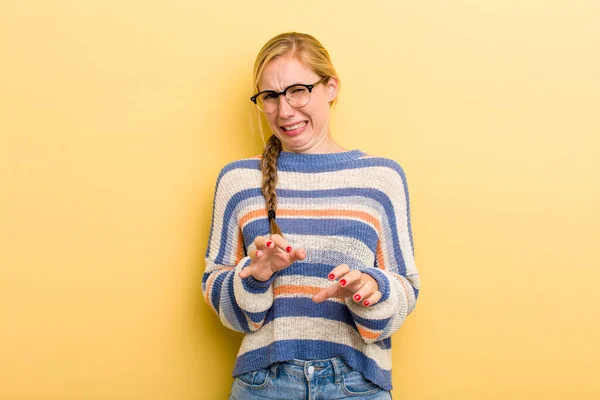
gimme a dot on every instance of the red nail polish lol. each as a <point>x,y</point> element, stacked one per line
<point>343,282</point>
<point>331,276</point>
<point>269,244</point>
<point>288,249</point>
<point>357,297</point>
<point>366,303</point>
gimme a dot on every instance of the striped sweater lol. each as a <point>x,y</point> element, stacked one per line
<point>342,208</point>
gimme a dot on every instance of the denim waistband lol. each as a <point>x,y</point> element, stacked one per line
<point>311,369</point>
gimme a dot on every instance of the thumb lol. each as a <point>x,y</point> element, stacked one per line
<point>246,272</point>
<point>298,254</point>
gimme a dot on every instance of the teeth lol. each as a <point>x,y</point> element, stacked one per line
<point>291,128</point>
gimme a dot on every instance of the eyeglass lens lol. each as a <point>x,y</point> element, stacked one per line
<point>297,96</point>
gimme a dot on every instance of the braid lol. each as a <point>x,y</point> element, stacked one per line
<point>268,167</point>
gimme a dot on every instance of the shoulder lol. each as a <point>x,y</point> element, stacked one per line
<point>380,164</point>
<point>238,175</point>
<point>240,166</point>
<point>389,175</point>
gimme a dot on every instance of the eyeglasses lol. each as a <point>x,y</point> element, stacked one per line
<point>297,95</point>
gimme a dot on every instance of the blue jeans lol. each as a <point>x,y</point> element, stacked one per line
<point>306,380</point>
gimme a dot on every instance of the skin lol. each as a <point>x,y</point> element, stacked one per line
<point>316,137</point>
<point>275,253</point>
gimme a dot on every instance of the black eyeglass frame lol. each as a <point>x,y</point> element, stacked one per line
<point>309,87</point>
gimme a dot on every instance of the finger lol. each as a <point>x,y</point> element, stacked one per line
<point>256,254</point>
<point>327,293</point>
<point>372,299</point>
<point>297,254</point>
<point>263,243</point>
<point>281,243</point>
<point>365,291</point>
<point>246,272</point>
<point>351,280</point>
<point>338,271</point>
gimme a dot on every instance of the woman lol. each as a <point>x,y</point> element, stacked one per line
<point>310,251</point>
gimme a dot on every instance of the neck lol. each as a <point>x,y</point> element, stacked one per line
<point>325,145</point>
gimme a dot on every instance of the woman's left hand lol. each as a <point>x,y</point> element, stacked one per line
<point>362,287</point>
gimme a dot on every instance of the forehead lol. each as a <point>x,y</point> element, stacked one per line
<point>285,71</point>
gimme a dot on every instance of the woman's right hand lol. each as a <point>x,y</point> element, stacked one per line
<point>271,255</point>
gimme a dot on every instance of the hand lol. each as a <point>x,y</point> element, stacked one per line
<point>362,287</point>
<point>271,255</point>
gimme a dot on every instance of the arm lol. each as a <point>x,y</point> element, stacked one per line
<point>241,304</point>
<point>395,271</point>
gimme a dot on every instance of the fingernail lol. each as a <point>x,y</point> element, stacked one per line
<point>343,282</point>
<point>366,303</point>
<point>269,244</point>
<point>331,276</point>
<point>357,297</point>
<point>258,253</point>
<point>288,249</point>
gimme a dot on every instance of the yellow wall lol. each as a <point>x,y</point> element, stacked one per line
<point>116,116</point>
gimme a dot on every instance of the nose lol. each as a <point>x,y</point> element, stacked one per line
<point>285,109</point>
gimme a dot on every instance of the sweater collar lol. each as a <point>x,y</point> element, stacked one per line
<point>291,158</point>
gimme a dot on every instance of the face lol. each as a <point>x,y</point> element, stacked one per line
<point>304,129</point>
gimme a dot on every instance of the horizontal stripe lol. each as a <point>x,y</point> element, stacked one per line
<point>253,164</point>
<point>319,282</point>
<point>308,269</point>
<point>307,328</point>
<point>284,307</point>
<point>291,289</point>
<point>334,309</point>
<point>322,258</point>
<point>284,350</point>
<point>323,213</point>
<point>319,227</point>
<point>319,251</point>
<point>367,333</point>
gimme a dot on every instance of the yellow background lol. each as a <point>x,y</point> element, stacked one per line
<point>116,116</point>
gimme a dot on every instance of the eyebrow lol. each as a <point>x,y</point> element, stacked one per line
<point>285,87</point>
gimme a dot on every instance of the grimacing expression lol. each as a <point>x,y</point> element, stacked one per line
<point>298,128</point>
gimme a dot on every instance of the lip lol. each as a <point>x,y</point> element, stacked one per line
<point>295,131</point>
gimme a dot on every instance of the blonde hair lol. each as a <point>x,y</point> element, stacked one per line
<point>311,53</point>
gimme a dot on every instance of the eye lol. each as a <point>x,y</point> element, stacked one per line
<point>270,96</point>
<point>298,89</point>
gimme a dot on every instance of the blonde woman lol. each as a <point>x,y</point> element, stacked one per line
<point>310,250</point>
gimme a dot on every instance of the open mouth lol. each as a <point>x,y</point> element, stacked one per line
<point>296,128</point>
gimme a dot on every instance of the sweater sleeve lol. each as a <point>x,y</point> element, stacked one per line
<point>394,270</point>
<point>241,304</point>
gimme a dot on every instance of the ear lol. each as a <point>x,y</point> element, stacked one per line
<point>332,86</point>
